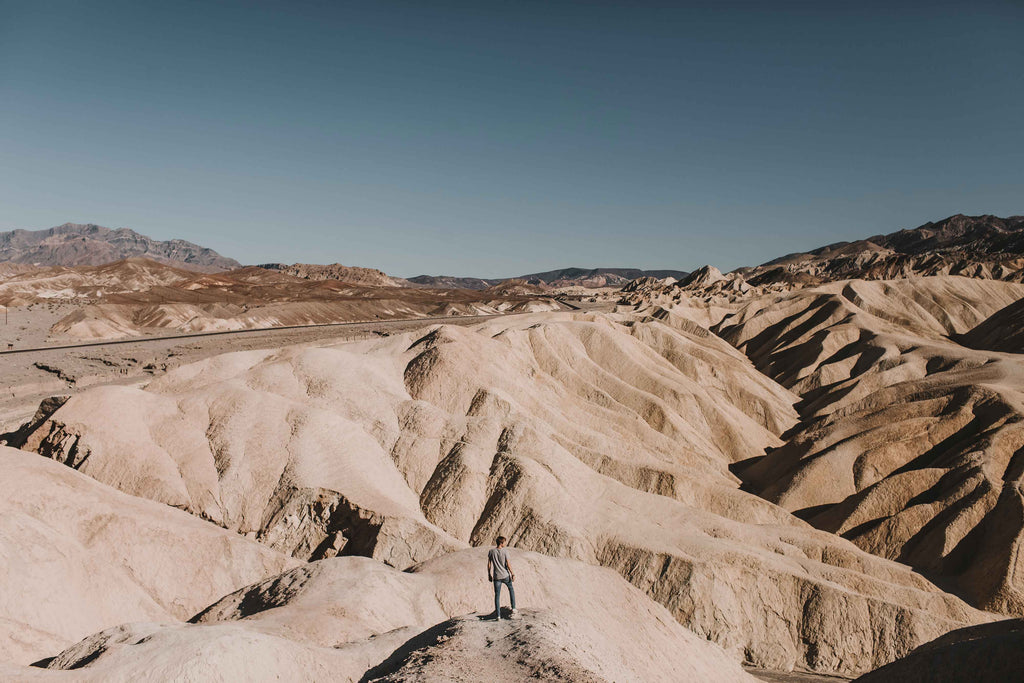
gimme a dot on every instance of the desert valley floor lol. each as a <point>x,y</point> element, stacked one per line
<point>810,470</point>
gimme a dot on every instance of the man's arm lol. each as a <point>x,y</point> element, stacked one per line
<point>489,574</point>
<point>508,566</point>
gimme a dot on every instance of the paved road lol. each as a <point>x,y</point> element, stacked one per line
<point>253,330</point>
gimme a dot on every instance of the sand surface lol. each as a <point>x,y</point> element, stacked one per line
<point>812,480</point>
<point>582,436</point>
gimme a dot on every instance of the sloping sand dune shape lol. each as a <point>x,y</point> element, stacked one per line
<point>77,556</point>
<point>910,446</point>
<point>574,435</point>
<point>348,619</point>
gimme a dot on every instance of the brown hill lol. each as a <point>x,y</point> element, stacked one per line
<point>370,277</point>
<point>453,282</point>
<point>517,287</point>
<point>72,244</point>
<point>137,297</point>
<point>84,283</point>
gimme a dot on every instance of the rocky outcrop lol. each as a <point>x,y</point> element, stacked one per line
<point>595,277</point>
<point>369,277</point>
<point>47,407</point>
<point>453,282</point>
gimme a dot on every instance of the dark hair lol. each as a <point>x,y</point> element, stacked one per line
<point>500,540</point>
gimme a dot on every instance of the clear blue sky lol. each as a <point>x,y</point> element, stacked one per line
<point>486,138</point>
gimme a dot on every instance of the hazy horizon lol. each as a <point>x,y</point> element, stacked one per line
<point>503,276</point>
<point>492,141</point>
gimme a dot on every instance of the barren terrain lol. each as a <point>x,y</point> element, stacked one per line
<point>776,475</point>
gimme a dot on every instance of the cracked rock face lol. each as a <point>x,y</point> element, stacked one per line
<point>606,440</point>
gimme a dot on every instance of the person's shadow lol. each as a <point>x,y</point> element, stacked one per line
<point>506,613</point>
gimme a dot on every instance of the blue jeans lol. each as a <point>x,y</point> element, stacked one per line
<point>497,595</point>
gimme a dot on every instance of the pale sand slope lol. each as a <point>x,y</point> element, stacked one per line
<point>934,306</point>
<point>348,619</point>
<point>911,443</point>
<point>243,439</point>
<point>77,556</point>
<point>980,654</point>
<point>573,435</point>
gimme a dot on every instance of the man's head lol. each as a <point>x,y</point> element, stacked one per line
<point>500,541</point>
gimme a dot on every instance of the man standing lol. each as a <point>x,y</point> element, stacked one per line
<point>499,571</point>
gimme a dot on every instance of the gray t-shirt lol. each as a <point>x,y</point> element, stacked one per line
<point>499,559</point>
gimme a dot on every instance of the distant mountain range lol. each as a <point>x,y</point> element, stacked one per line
<point>563,277</point>
<point>73,244</point>
<point>978,235</point>
<point>985,246</point>
<point>976,246</point>
<point>982,247</point>
<point>453,282</point>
